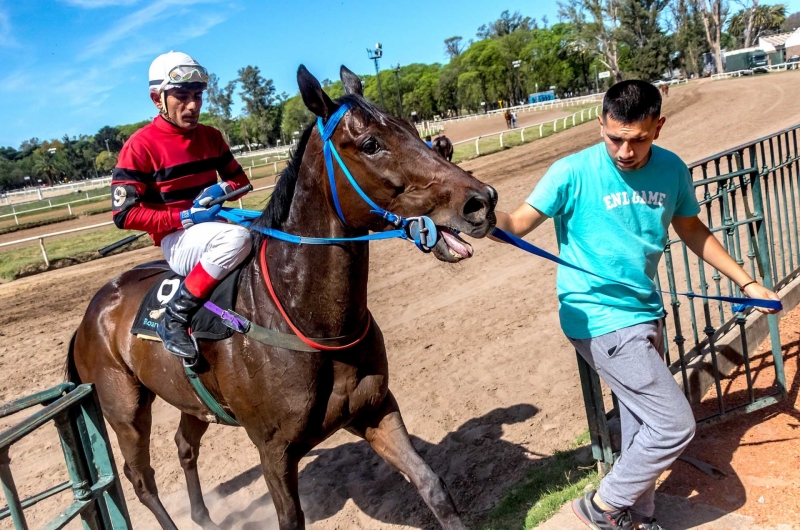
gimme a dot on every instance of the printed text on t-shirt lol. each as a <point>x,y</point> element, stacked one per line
<point>614,200</point>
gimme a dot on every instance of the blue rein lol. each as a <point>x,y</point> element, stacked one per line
<point>420,230</point>
<point>739,303</point>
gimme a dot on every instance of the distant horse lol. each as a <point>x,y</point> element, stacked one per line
<point>664,88</point>
<point>444,147</point>
<point>507,116</point>
<point>290,401</point>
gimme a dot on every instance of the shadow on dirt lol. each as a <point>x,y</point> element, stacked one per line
<point>474,461</point>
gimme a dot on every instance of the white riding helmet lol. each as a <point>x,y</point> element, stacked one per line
<point>175,69</point>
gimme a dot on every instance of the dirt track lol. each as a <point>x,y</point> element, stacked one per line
<point>490,387</point>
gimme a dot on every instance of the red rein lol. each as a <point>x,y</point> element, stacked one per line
<point>268,281</point>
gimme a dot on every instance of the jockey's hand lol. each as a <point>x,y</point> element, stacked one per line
<point>755,290</point>
<point>212,192</point>
<point>199,214</point>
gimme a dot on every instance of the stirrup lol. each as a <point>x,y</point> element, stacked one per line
<point>191,362</point>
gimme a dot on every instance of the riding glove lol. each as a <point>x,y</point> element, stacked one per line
<point>199,212</point>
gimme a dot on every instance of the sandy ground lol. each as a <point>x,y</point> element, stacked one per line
<point>486,381</point>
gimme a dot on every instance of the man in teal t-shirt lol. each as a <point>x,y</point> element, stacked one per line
<point>612,205</point>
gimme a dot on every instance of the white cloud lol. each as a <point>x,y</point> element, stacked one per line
<point>7,39</point>
<point>147,21</point>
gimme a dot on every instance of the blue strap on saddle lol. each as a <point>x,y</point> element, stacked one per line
<point>739,303</point>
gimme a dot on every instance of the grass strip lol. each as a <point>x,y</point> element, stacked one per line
<point>545,489</point>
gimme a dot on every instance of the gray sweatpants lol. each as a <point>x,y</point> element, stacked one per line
<point>657,421</point>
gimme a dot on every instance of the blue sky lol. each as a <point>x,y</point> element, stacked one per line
<point>72,66</point>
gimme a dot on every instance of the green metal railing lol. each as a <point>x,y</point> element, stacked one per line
<point>98,497</point>
<point>749,198</point>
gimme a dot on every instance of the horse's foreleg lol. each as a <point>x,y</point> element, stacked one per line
<point>280,472</point>
<point>190,431</point>
<point>386,433</point>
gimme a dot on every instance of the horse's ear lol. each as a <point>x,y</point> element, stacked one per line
<point>314,97</point>
<point>351,82</point>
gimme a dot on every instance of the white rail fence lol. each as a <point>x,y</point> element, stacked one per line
<point>585,114</point>
<point>42,237</point>
<point>39,193</point>
<point>751,71</point>
<point>530,107</point>
<point>16,213</point>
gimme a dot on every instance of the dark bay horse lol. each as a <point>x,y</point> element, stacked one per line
<point>290,401</point>
<point>444,147</point>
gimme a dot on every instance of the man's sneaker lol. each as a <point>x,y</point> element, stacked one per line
<point>596,519</point>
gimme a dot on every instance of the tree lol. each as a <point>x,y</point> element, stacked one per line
<point>714,13</point>
<point>748,24</point>
<point>113,136</point>
<point>260,101</point>
<point>220,103</point>
<point>506,24</point>
<point>49,166</point>
<point>453,47</point>
<point>792,22</point>
<point>689,35</point>
<point>106,162</point>
<point>648,45</point>
<point>598,24</point>
<point>29,145</point>
<point>127,130</point>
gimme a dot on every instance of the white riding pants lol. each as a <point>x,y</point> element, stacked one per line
<point>220,247</point>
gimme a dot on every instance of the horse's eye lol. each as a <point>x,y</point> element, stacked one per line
<point>370,146</point>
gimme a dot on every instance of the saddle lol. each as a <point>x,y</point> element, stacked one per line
<point>205,324</point>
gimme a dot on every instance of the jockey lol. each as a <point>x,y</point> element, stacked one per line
<point>163,182</point>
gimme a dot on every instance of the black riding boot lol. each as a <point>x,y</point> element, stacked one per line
<point>174,329</point>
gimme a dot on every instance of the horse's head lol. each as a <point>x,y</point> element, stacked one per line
<point>397,171</point>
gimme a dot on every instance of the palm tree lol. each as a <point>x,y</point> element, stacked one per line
<point>750,23</point>
<point>47,166</point>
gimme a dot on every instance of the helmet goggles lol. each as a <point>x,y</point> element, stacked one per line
<point>183,74</point>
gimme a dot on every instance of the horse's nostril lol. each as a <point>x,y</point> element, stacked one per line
<point>474,206</point>
<point>492,195</point>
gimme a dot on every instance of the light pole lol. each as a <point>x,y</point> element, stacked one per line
<point>596,85</point>
<point>516,64</point>
<point>374,55</point>
<point>399,93</point>
<point>107,149</point>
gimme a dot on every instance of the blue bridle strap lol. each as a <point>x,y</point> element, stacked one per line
<point>326,130</point>
<point>739,303</point>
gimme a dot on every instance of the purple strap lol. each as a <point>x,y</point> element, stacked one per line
<point>232,320</point>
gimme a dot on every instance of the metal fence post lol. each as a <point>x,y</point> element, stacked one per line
<point>540,130</point>
<point>596,416</point>
<point>522,135</point>
<point>477,151</point>
<point>763,251</point>
<point>555,125</point>
<point>501,140</point>
<point>10,491</point>
<point>14,211</point>
<point>69,208</point>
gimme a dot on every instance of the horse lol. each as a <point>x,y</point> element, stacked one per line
<point>444,147</point>
<point>664,88</point>
<point>507,116</point>
<point>290,401</point>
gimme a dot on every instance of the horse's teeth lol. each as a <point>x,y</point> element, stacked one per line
<point>453,253</point>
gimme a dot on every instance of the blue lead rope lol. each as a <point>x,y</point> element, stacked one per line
<point>739,304</point>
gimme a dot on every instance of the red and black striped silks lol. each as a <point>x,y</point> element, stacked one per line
<point>160,171</point>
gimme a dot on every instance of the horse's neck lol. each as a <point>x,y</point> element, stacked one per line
<point>323,288</point>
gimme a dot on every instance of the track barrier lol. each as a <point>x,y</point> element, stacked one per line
<point>97,492</point>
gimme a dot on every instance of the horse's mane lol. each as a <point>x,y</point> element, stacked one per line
<point>277,210</point>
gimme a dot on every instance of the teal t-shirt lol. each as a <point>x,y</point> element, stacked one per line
<point>615,224</point>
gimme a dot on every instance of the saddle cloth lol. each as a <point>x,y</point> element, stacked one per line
<point>205,324</point>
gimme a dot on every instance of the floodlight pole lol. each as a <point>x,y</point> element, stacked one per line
<point>374,55</point>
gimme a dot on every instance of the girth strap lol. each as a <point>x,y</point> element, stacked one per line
<point>208,400</point>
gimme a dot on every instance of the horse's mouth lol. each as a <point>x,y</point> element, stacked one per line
<point>450,247</point>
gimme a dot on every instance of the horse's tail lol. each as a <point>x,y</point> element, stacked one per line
<point>70,370</point>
